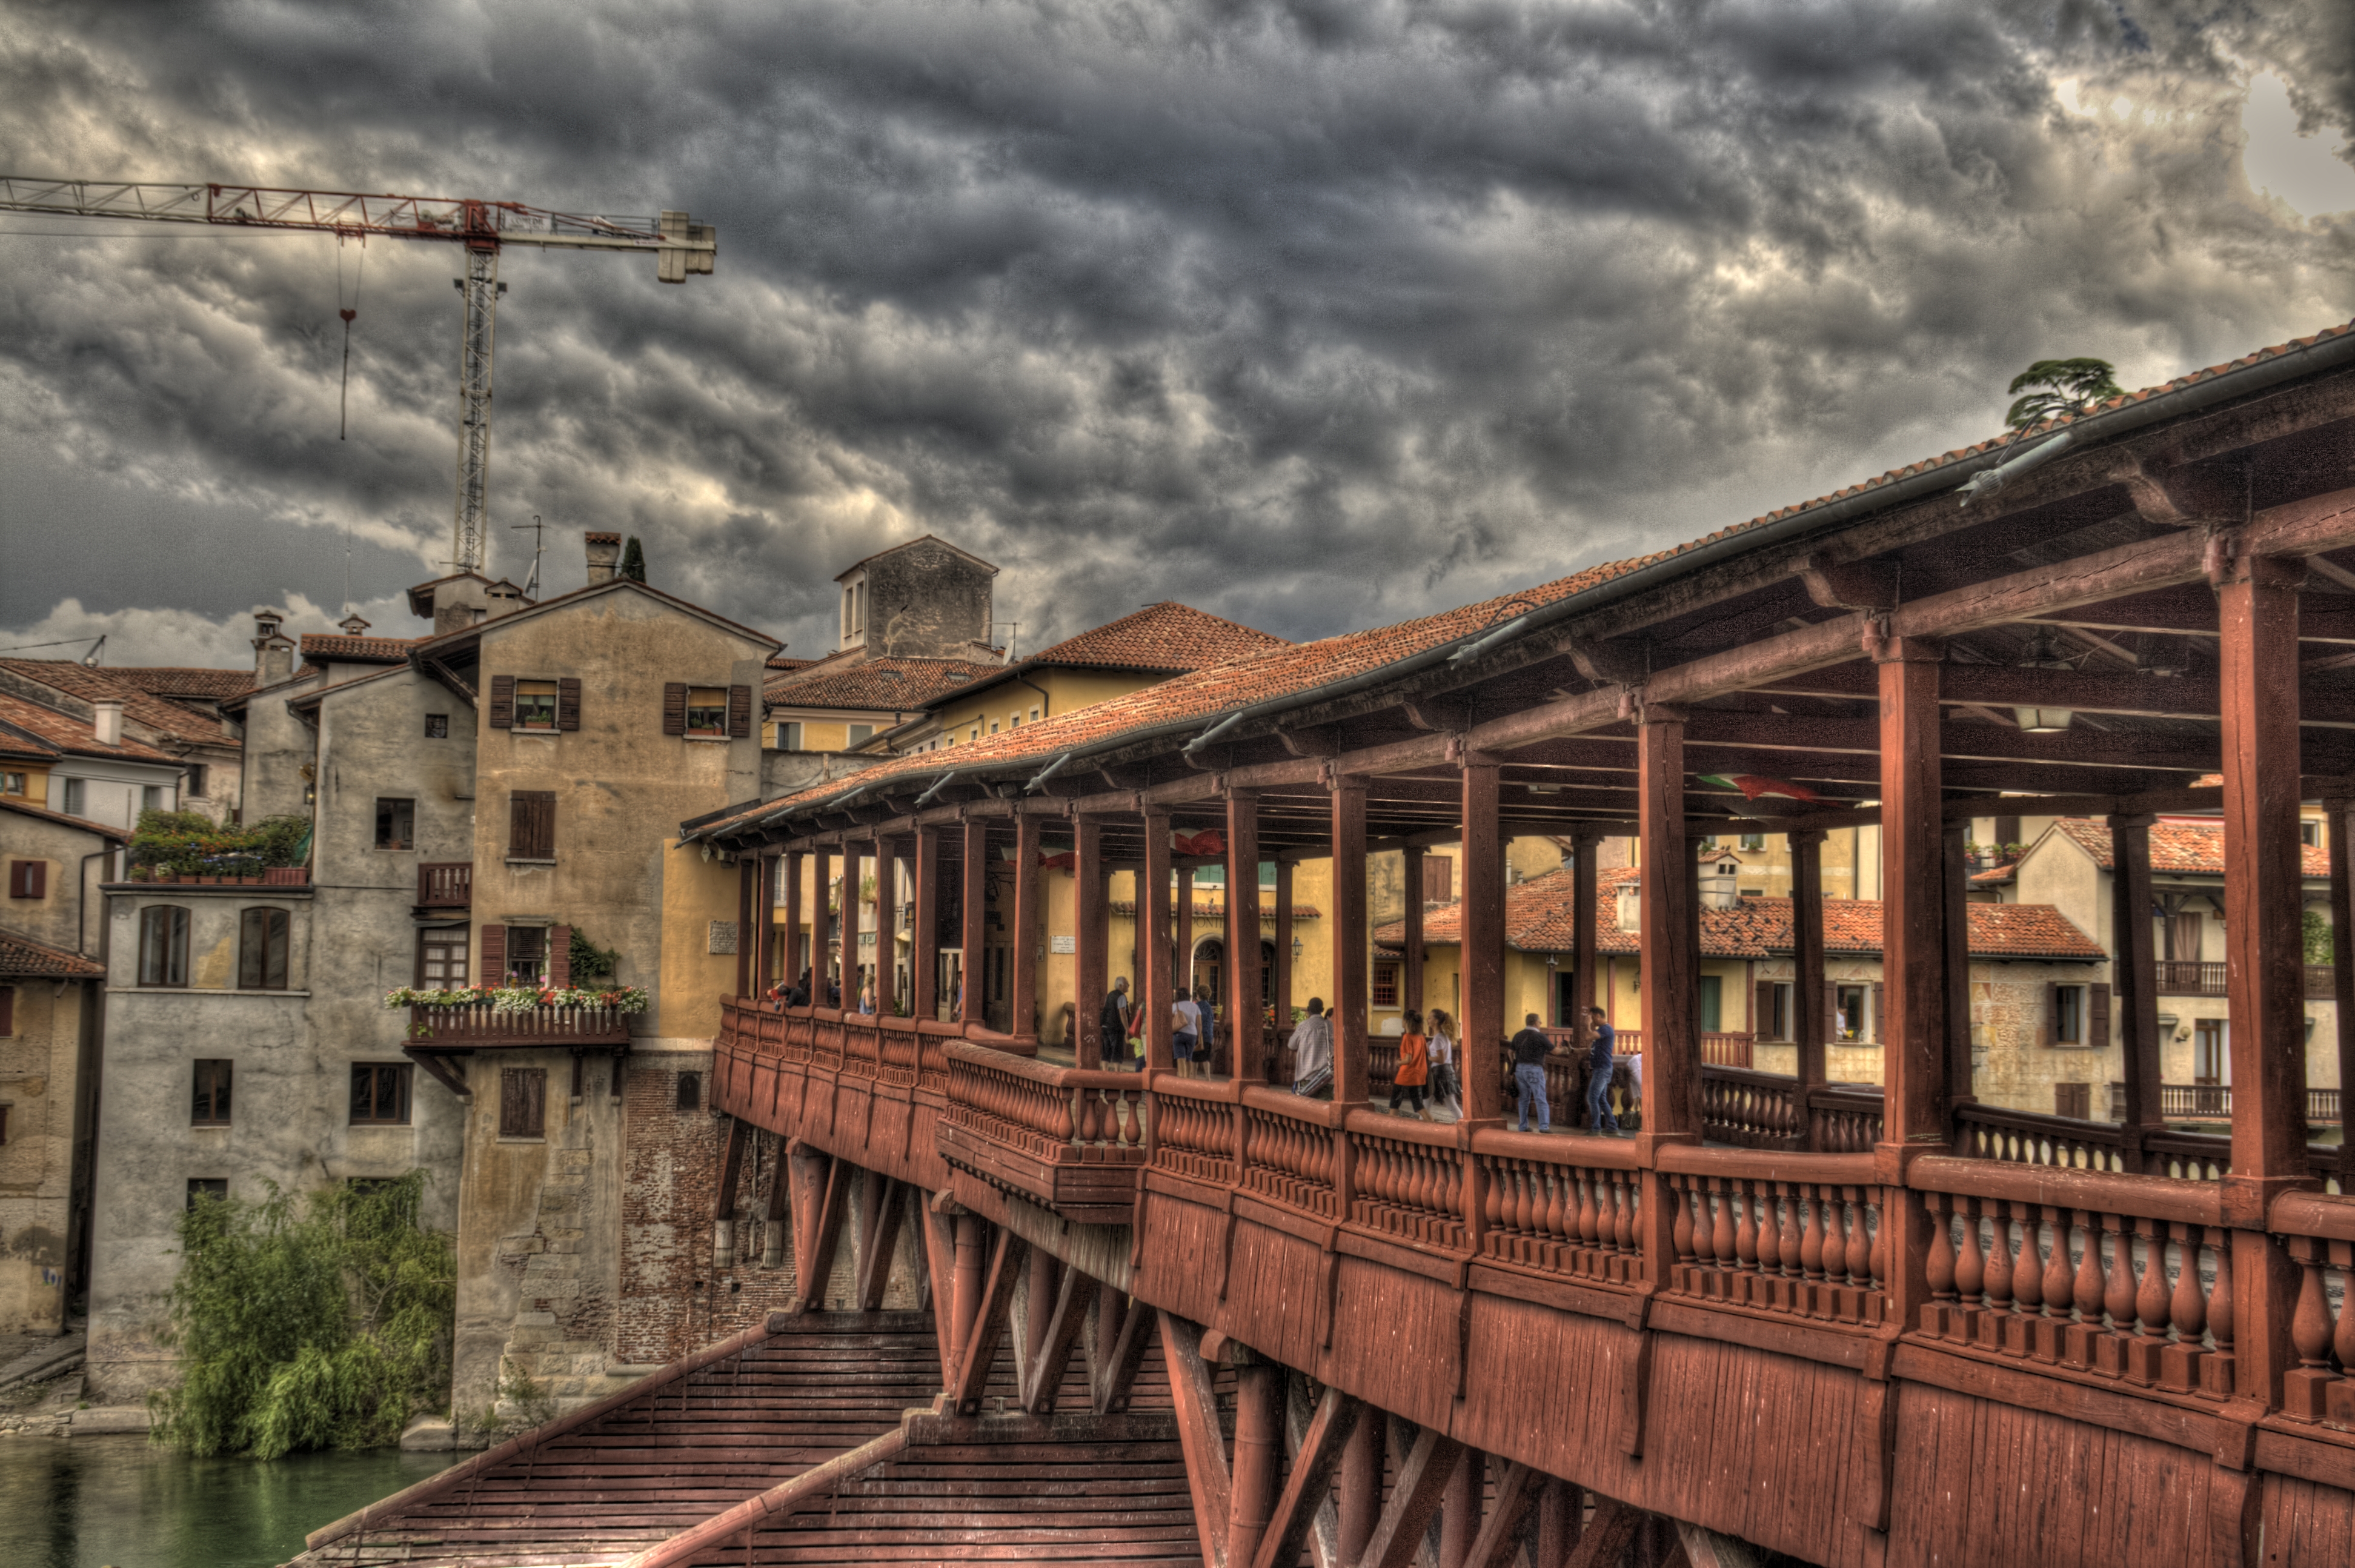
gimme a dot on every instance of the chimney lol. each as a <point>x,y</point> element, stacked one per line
<point>106,719</point>
<point>501,598</point>
<point>604,555</point>
<point>352,625</point>
<point>273,654</point>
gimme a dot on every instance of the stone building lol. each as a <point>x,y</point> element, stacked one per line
<point>173,712</point>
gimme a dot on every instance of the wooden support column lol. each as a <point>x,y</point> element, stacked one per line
<point>2135,976</point>
<point>1038,1307</point>
<point>924,928</point>
<point>1257,1472</point>
<point>1584,889</point>
<point>2265,977</point>
<point>887,926</point>
<point>1153,955</point>
<point>821,955</point>
<point>1090,933</point>
<point>1913,958</point>
<point>1347,791</point>
<point>853,868</point>
<point>1360,1502</point>
<point>1954,884</point>
<point>2342,969</point>
<point>1412,958</point>
<point>1810,1009</point>
<point>974,911</point>
<point>723,1195</point>
<point>1670,970</point>
<point>1459,1511</point>
<point>1247,1049</point>
<point>790,869</point>
<point>1482,954</point>
<point>1184,895</point>
<point>965,1305</point>
<point>772,1220</point>
<point>1029,910</point>
<point>1280,971</point>
<point>765,919</point>
<point>748,881</point>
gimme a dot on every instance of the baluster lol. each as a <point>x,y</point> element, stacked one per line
<point>1720,1236</point>
<point>2187,1309</point>
<point>1745,1227</point>
<point>1815,1243</point>
<point>1492,1201</point>
<point>2310,1328</point>
<point>1589,1211</point>
<point>2089,1286</point>
<point>1524,1214</point>
<point>1940,1265</point>
<point>2118,1296</point>
<point>1998,1263</point>
<point>1787,1194</point>
<point>1624,1197</point>
<point>1557,1218</point>
<point>1861,1259</point>
<point>2217,1370</point>
<point>2058,1276</point>
<point>2027,1276</point>
<point>2150,1302</point>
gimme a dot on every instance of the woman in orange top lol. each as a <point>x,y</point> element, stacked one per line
<point>1414,1066</point>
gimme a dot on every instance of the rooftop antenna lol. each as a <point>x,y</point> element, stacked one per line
<point>531,586</point>
<point>347,569</point>
<point>1013,638</point>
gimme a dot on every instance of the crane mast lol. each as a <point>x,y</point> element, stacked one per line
<point>484,228</point>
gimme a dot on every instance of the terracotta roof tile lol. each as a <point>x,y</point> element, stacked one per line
<point>25,808</point>
<point>1538,915</point>
<point>2184,849</point>
<point>21,955</point>
<point>1167,637</point>
<point>319,647</point>
<point>880,685</point>
<point>69,734</point>
<point>103,685</point>
<point>184,680</point>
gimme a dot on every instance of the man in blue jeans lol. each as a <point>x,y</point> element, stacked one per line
<point>1530,1048</point>
<point>1598,1083</point>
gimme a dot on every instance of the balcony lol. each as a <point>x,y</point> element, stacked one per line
<point>2213,1103</point>
<point>481,1027</point>
<point>1071,1139</point>
<point>2184,977</point>
<point>446,886</point>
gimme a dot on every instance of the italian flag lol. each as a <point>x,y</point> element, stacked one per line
<point>1752,786</point>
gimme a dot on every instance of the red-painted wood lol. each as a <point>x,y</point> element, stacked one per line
<point>924,927</point>
<point>793,865</point>
<point>1483,946</point>
<point>1412,956</point>
<point>974,911</point>
<point>1091,915</point>
<point>2341,817</point>
<point>1247,1034</point>
<point>1810,1026</point>
<point>1259,1455</point>
<point>1026,933</point>
<point>1156,989</point>
<point>1585,962</point>
<point>2135,975</point>
<point>1347,930</point>
<point>1669,966</point>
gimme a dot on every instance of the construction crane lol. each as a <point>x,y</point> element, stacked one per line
<point>484,228</point>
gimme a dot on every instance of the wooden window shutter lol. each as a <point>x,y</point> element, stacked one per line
<point>740,711</point>
<point>1438,878</point>
<point>2074,1100</point>
<point>568,702</point>
<point>29,879</point>
<point>1761,1014</point>
<point>502,713</point>
<point>2052,1013</point>
<point>1831,1012</point>
<point>494,971</point>
<point>531,825</point>
<point>1878,1013</point>
<point>523,1100</point>
<point>2097,1017</point>
<point>7,1009</point>
<point>674,708</point>
<point>560,956</point>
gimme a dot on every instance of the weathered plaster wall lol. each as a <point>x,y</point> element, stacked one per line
<point>42,1061</point>
<point>695,893</point>
<point>926,600</point>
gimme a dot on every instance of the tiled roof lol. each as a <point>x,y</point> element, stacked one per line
<point>1287,671</point>
<point>1165,636</point>
<point>320,646</point>
<point>185,681</point>
<point>26,808</point>
<point>101,685</point>
<point>69,734</point>
<point>781,664</point>
<point>1538,915</point>
<point>21,955</point>
<point>1216,908</point>
<point>886,685</point>
<point>2183,849</point>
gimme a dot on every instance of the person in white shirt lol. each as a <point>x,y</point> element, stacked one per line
<point>1446,1088</point>
<point>1185,1029</point>
<point>1311,1052</point>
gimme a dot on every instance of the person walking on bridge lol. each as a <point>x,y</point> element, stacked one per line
<point>1598,1081</point>
<point>1529,1049</point>
<point>1413,1065</point>
<point>1112,1026</point>
<point>1311,1052</point>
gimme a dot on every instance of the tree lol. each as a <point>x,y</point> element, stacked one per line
<point>633,560</point>
<point>2070,387</point>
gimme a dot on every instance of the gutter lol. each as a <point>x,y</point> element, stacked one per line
<point>2306,360</point>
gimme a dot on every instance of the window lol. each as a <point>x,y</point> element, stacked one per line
<point>1774,1009</point>
<point>2209,1064</point>
<point>29,879</point>
<point>1712,1004</point>
<point>860,734</point>
<point>531,825</point>
<point>1386,985</point>
<point>2067,1015</point>
<point>151,797</point>
<point>706,710</point>
<point>1753,841</point>
<point>690,1091</point>
<point>442,959</point>
<point>2309,831</point>
<point>72,804</point>
<point>1438,878</point>
<point>437,726</point>
<point>526,955</point>
<point>7,1009</point>
<point>396,824</point>
<point>12,783</point>
<point>974,734</point>
<point>1848,1013</point>
<point>1014,720</point>
<point>212,1093</point>
<point>993,726</point>
<point>523,1101</point>
<point>197,776</point>
<point>535,705</point>
<point>203,1187</point>
<point>262,950</point>
<point>163,945</point>
<point>2074,1100</point>
<point>380,1093</point>
<point>1034,714</point>
<point>789,737</point>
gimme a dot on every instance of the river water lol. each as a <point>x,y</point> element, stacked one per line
<point>123,1502</point>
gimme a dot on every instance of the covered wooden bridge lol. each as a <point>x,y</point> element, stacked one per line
<point>1915,1329</point>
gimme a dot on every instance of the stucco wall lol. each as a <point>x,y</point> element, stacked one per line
<point>43,1059</point>
<point>926,600</point>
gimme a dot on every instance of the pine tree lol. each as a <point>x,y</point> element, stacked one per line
<point>634,561</point>
<point>2072,387</point>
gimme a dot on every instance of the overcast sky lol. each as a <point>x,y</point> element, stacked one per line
<point>1313,315</point>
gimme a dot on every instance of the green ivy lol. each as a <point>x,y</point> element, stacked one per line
<point>2317,933</point>
<point>193,843</point>
<point>324,1323</point>
<point>591,962</point>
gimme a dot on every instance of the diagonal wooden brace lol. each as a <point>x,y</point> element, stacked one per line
<point>989,1323</point>
<point>1309,1485</point>
<point>1416,1491</point>
<point>1073,1302</point>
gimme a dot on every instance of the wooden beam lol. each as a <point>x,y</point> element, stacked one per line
<point>1416,1491</point>
<point>815,1267</point>
<point>989,1323</point>
<point>1075,1299</point>
<point>974,873</point>
<point>440,1065</point>
<point>1115,1363</point>
<point>879,1242</point>
<point>1707,1549</point>
<point>939,1266</point>
<point>1509,1513</point>
<point>1606,1535</point>
<point>1198,1435</point>
<point>1309,1485</point>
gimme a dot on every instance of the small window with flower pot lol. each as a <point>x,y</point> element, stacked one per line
<point>535,705</point>
<point>707,712</point>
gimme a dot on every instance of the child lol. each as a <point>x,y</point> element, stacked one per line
<point>1447,1088</point>
<point>1414,1066</point>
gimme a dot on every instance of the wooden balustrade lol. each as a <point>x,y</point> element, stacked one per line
<point>1799,1235</point>
<point>1753,1110</point>
<point>445,885</point>
<point>1568,1211</point>
<point>2321,1240</point>
<point>2024,1138</point>
<point>1287,1158</point>
<point>2213,1103</point>
<point>1406,1179</point>
<point>1194,1129</point>
<point>2122,1276</point>
<point>483,1028</point>
<point>2186,977</point>
<point>1053,1113</point>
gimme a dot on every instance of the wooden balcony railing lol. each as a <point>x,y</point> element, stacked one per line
<point>2213,1103</point>
<point>446,885</point>
<point>2186,977</point>
<point>1071,1138</point>
<point>485,1027</point>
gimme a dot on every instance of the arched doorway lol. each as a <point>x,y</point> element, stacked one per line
<point>1211,967</point>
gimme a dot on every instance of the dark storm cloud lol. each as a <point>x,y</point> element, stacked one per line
<point>1313,314</point>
